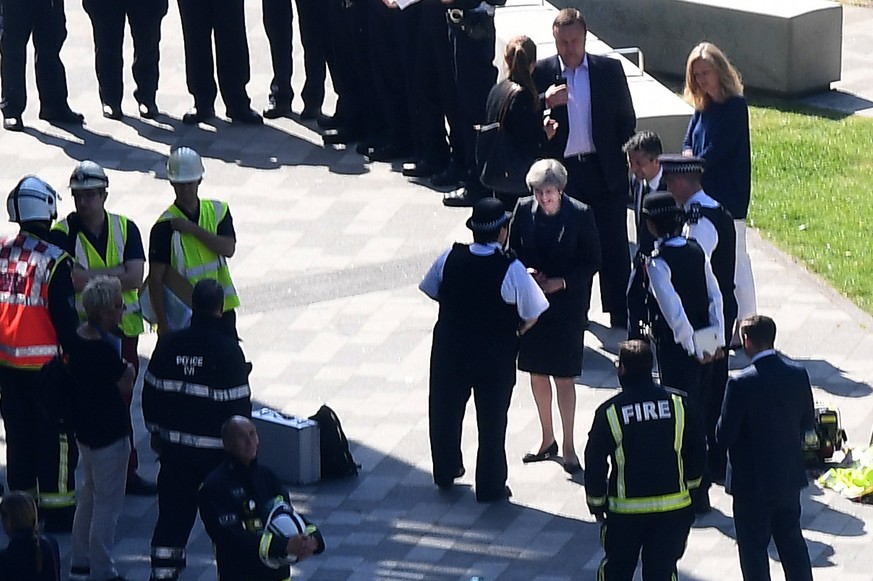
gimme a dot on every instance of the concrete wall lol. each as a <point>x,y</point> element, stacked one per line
<point>657,108</point>
<point>788,47</point>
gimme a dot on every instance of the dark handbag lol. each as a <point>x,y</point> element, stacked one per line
<point>500,167</point>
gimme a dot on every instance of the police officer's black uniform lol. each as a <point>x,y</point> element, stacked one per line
<point>723,260</point>
<point>235,502</point>
<point>656,454</point>
<point>196,380</point>
<point>107,20</point>
<point>472,37</point>
<point>686,261</point>
<point>201,19</point>
<point>46,21</point>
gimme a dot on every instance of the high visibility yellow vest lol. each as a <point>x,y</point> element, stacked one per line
<point>193,259</point>
<point>89,257</point>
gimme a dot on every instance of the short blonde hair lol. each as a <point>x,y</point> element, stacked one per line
<point>546,172</point>
<point>728,76</point>
<point>100,294</point>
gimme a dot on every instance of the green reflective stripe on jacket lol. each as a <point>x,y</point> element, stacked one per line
<point>193,259</point>
<point>642,505</point>
<point>89,257</point>
<point>615,428</point>
<point>679,414</point>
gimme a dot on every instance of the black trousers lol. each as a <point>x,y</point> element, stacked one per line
<point>39,456</point>
<point>279,26</point>
<point>391,38</point>
<point>587,184</point>
<point>756,521</point>
<point>433,94</point>
<point>659,537</point>
<point>474,75</point>
<point>312,20</point>
<point>107,21</point>
<point>182,472</point>
<point>456,370</point>
<point>46,21</point>
<point>226,20</point>
<point>351,71</point>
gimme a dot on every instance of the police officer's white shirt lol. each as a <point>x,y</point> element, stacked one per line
<point>661,287</point>
<point>704,230</point>
<point>580,139</point>
<point>518,287</point>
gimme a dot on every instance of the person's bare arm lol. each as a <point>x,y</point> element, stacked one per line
<point>157,271</point>
<point>221,245</point>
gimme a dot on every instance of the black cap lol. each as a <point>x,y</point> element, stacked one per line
<point>488,214</point>
<point>660,204</point>
<point>673,163</point>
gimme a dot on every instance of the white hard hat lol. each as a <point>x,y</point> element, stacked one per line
<point>283,521</point>
<point>184,166</point>
<point>88,175</point>
<point>32,200</point>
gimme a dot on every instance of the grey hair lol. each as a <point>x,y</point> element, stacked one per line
<point>546,172</point>
<point>100,294</point>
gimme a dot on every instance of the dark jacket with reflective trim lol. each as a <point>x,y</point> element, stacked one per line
<point>197,379</point>
<point>234,502</point>
<point>656,451</point>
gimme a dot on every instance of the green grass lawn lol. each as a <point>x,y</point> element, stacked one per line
<point>813,192</point>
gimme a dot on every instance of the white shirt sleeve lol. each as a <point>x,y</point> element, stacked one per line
<point>520,289</point>
<point>705,233</point>
<point>430,284</point>
<point>661,287</point>
<point>716,301</point>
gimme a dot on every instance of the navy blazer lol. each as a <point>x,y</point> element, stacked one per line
<point>613,117</point>
<point>767,409</point>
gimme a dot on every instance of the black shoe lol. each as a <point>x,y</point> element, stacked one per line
<point>503,495</point>
<point>339,137</point>
<point>80,573</point>
<point>549,452</point>
<point>112,112</point>
<point>148,110</point>
<point>311,114</point>
<point>420,169</point>
<point>388,153</point>
<point>618,320</point>
<point>276,111</point>
<point>572,467</point>
<point>198,115</point>
<point>451,483</point>
<point>460,198</point>
<point>139,486</point>
<point>449,177</point>
<point>13,124</point>
<point>247,117</point>
<point>328,122</point>
<point>62,116</point>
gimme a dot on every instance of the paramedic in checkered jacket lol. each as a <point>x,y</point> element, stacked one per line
<point>248,515</point>
<point>196,380</point>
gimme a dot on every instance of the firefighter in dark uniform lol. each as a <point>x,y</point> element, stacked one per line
<point>486,299</point>
<point>107,20</point>
<point>46,22</point>
<point>226,21</point>
<point>37,314</point>
<point>196,380</point>
<point>683,296</point>
<point>248,515</point>
<point>712,226</point>
<point>657,455</point>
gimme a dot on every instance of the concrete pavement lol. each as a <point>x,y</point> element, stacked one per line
<point>329,255</point>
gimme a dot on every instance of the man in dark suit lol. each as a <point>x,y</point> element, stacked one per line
<point>590,100</point>
<point>768,403</point>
